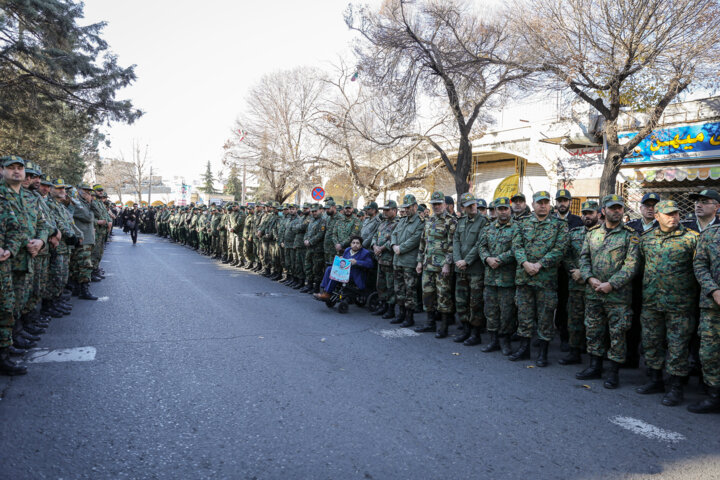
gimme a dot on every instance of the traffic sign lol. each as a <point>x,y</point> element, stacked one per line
<point>318,193</point>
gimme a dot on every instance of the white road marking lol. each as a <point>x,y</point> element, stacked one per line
<point>396,333</point>
<point>647,430</point>
<point>103,299</point>
<point>79,354</point>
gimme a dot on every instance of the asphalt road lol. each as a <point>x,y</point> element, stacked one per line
<point>205,371</point>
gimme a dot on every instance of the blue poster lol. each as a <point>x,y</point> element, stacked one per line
<point>340,271</point>
<point>686,142</point>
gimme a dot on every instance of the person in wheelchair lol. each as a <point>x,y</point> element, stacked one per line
<point>360,260</point>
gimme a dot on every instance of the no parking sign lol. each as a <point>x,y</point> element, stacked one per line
<point>318,194</point>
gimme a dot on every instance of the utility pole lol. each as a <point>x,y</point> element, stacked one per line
<point>150,187</point>
<point>244,186</point>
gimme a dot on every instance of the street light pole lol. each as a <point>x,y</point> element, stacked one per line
<point>150,186</point>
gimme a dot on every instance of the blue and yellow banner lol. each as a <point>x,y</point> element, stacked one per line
<point>678,143</point>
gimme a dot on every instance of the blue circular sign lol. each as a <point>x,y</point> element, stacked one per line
<point>318,193</point>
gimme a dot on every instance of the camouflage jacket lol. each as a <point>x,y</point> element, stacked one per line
<point>610,256</point>
<point>496,240</point>
<point>49,217</point>
<point>668,279</point>
<point>345,228</point>
<point>465,243</point>
<point>571,260</point>
<point>64,223</point>
<point>289,235</point>
<point>248,227</point>
<point>540,241</point>
<point>436,242</point>
<point>382,238</point>
<point>13,237</point>
<point>267,229</point>
<point>299,227</point>
<point>329,242</point>
<point>315,234</point>
<point>31,220</point>
<point>407,235</point>
<point>707,266</point>
<point>368,230</point>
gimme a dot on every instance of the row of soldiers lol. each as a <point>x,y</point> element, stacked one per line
<point>52,238</point>
<point>500,268</point>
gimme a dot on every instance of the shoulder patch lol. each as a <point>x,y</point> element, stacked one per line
<point>629,229</point>
<point>647,231</point>
<point>595,227</point>
<point>579,228</point>
<point>635,239</point>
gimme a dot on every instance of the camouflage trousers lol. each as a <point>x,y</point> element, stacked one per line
<point>38,283</point>
<point>223,241</point>
<point>314,266</point>
<point>500,309</point>
<point>7,305</point>
<point>248,251</point>
<point>99,247</point>
<point>300,262</point>
<point>59,274</point>
<point>576,318</point>
<point>267,253</point>
<point>330,256</point>
<point>469,298</point>
<point>289,261</point>
<point>710,346</point>
<point>536,310</point>
<point>406,279</point>
<point>81,264</point>
<point>673,329</point>
<point>601,317</point>
<point>436,292</point>
<point>278,255</point>
<point>386,284</point>
<point>22,283</point>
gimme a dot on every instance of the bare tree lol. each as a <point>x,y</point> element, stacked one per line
<point>426,51</point>
<point>619,56</point>
<point>114,175</point>
<point>139,165</point>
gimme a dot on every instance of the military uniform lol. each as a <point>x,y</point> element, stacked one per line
<point>406,237</point>
<point>314,259</point>
<point>330,222</point>
<point>385,277</point>
<point>370,226</point>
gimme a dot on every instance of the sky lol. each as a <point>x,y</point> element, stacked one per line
<point>197,60</point>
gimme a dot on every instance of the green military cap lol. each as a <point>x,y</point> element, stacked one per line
<point>667,206</point>
<point>422,208</point>
<point>84,186</point>
<point>519,195</point>
<point>8,160</point>
<point>562,193</point>
<point>276,204</point>
<point>329,203</point>
<point>59,183</point>
<point>305,205</point>
<point>347,204</point>
<point>372,205</point>
<point>590,206</point>
<point>45,180</point>
<point>390,204</point>
<point>707,193</point>
<point>541,195</point>
<point>98,187</point>
<point>437,197</point>
<point>611,200</point>
<point>502,202</point>
<point>315,207</point>
<point>409,199</point>
<point>329,199</point>
<point>481,203</point>
<point>466,199</point>
<point>491,205</point>
<point>30,167</point>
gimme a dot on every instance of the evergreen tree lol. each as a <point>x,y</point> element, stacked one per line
<point>234,184</point>
<point>208,180</point>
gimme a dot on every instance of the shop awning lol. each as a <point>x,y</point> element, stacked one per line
<point>670,173</point>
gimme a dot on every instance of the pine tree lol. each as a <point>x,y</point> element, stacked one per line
<point>234,185</point>
<point>208,180</point>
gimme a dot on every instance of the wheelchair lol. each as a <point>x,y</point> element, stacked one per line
<point>346,294</point>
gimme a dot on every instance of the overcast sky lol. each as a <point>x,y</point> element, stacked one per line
<point>196,61</point>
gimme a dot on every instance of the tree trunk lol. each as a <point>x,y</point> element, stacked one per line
<point>608,179</point>
<point>462,166</point>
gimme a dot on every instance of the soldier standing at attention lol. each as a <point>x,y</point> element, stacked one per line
<point>331,219</point>
<point>347,225</point>
<point>405,241</point>
<point>539,246</point>
<point>434,263</point>
<point>707,204</point>
<point>313,241</point>
<point>608,263</point>
<point>469,273</point>
<point>370,224</point>
<point>576,288</point>
<point>669,301</point>
<point>382,248</point>
<point>288,243</point>
<point>647,211</point>
<point>563,198</point>
<point>520,210</point>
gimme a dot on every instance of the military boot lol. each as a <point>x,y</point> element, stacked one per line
<point>505,346</point>
<point>594,371</point>
<point>572,358</point>
<point>23,343</point>
<point>307,288</point>
<point>316,287</point>
<point>708,405</point>
<point>655,385</point>
<point>62,307</point>
<point>464,333</point>
<point>675,395</point>
<point>300,284</point>
<point>409,318</point>
<point>430,324</point>
<point>9,367</point>
<point>75,288</point>
<point>475,337</point>
<point>288,280</point>
<point>85,292</point>
<point>30,336</point>
<point>49,309</point>
<point>401,314</point>
<point>442,327</point>
<point>494,344</point>
<point>541,360</point>
<point>612,380</point>
<point>381,310</point>
<point>522,352</point>
<point>95,278</point>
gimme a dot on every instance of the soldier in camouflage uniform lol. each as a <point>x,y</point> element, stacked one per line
<point>288,243</point>
<point>608,262</point>
<point>576,287</point>
<point>370,224</point>
<point>519,207</point>
<point>707,271</point>
<point>102,229</point>
<point>345,227</point>
<point>405,241</point>
<point>669,301</point>
<point>71,237</point>
<point>81,262</point>
<point>470,274</point>
<point>434,263</point>
<point>266,230</point>
<point>495,247</point>
<point>382,248</point>
<point>248,250</point>
<point>299,227</point>
<point>330,222</point>
<point>314,258</point>
<point>539,246</point>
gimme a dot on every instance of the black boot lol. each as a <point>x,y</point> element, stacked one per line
<point>430,324</point>
<point>402,312</point>
<point>85,292</point>
<point>307,288</point>
<point>464,333</point>
<point>442,328</point>
<point>655,385</point>
<point>409,319</point>
<point>475,338</point>
<point>288,280</point>
<point>49,310</point>
<point>522,352</point>
<point>299,284</point>
<point>381,310</point>
<point>572,358</point>
<point>612,380</point>
<point>708,405</point>
<point>541,360</point>
<point>23,343</point>
<point>675,395</point>
<point>593,371</point>
<point>316,288</point>
<point>505,347</point>
<point>7,366</point>
<point>494,344</point>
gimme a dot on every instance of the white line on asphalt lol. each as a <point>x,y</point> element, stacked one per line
<point>79,354</point>
<point>396,333</point>
<point>647,430</point>
<point>103,299</point>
